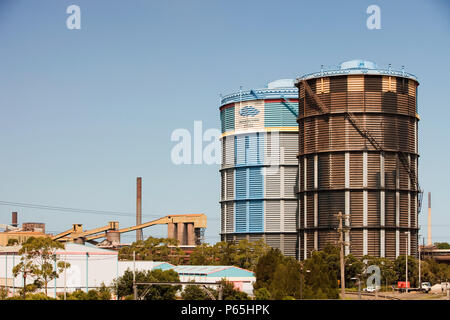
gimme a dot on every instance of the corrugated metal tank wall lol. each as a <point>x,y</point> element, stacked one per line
<point>258,199</point>
<point>340,170</point>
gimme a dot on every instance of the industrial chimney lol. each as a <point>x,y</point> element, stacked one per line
<point>429,242</point>
<point>139,208</point>
<point>14,219</point>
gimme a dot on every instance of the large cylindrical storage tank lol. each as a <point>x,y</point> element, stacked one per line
<point>259,169</point>
<point>358,155</point>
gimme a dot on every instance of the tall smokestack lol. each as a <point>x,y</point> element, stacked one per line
<point>429,242</point>
<point>139,208</point>
<point>14,219</point>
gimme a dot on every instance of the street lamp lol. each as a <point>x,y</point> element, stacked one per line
<point>302,280</point>
<point>420,276</point>
<point>407,242</point>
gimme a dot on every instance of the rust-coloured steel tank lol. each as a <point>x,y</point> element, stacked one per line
<point>358,154</point>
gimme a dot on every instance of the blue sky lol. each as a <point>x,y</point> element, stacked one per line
<point>84,112</point>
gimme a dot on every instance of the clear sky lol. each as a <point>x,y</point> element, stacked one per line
<point>84,112</point>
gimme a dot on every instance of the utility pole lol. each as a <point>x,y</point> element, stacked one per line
<point>406,233</point>
<point>56,271</point>
<point>448,290</point>
<point>359,287</point>
<point>134,276</point>
<point>25,277</point>
<point>65,277</point>
<point>221,292</point>
<point>341,254</point>
<point>429,241</point>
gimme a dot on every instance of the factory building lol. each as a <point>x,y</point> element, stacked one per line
<point>13,233</point>
<point>90,267</point>
<point>242,279</point>
<point>358,154</point>
<point>259,166</point>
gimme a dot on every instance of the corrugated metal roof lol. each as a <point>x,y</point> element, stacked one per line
<point>141,265</point>
<point>213,271</point>
<point>283,88</point>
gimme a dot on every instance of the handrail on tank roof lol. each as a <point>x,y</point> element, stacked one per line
<point>260,94</point>
<point>339,71</point>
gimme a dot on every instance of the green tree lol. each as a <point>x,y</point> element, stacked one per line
<point>3,293</point>
<point>266,267</point>
<point>387,269</point>
<point>353,269</point>
<point>155,292</point>
<point>38,260</point>
<point>244,254</point>
<point>203,255</point>
<point>12,242</point>
<point>81,295</point>
<point>248,253</point>
<point>192,292</point>
<point>286,280</point>
<point>230,292</point>
<point>442,245</point>
<point>32,296</point>
<point>104,292</point>
<point>224,253</point>
<point>262,294</point>
<point>156,249</point>
<point>321,275</point>
<point>427,273</point>
<point>413,270</point>
<point>438,272</point>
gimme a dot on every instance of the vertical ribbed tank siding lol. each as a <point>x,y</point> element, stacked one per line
<point>338,165</point>
<point>259,172</point>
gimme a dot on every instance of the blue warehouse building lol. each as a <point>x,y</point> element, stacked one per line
<point>259,166</point>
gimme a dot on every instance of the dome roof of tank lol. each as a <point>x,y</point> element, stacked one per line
<point>281,83</point>
<point>357,66</point>
<point>281,88</point>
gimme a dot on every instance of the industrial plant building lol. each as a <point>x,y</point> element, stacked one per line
<point>90,267</point>
<point>259,165</point>
<point>347,142</point>
<point>15,234</point>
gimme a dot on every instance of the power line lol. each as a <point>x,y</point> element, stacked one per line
<point>77,210</point>
<point>72,210</point>
<point>62,209</point>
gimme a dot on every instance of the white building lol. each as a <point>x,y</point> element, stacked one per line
<point>90,267</point>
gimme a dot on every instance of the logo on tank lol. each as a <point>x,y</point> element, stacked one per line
<point>248,111</point>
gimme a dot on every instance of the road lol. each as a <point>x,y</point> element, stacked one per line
<point>396,296</point>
